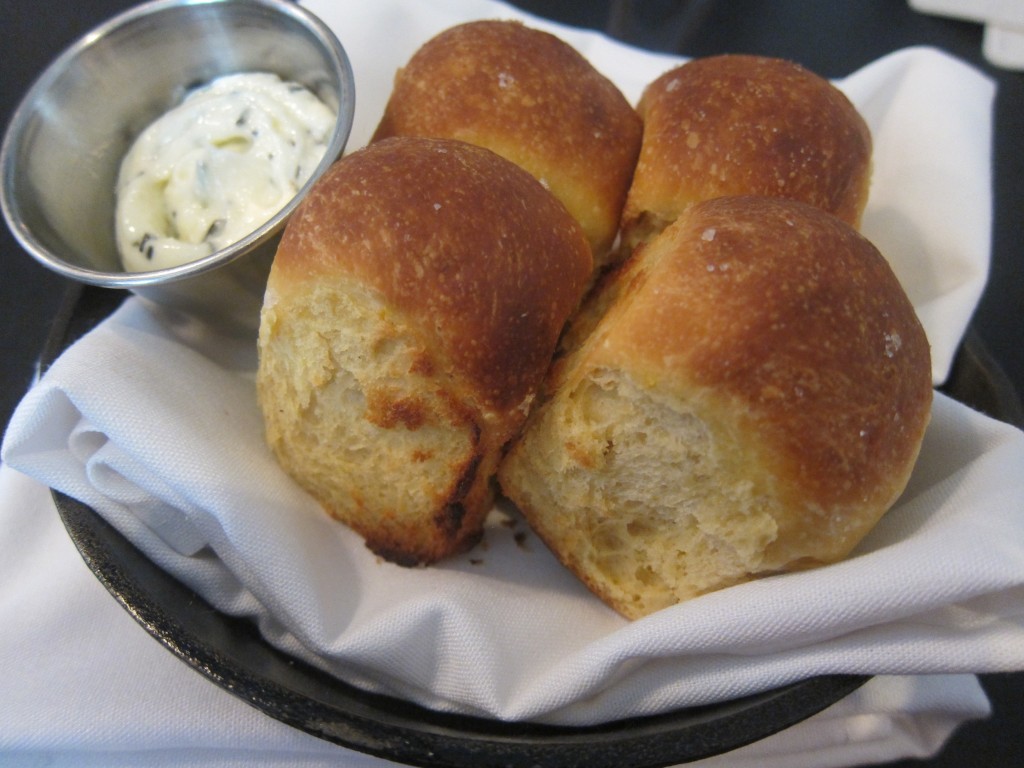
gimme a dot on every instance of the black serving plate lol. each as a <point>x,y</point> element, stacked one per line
<point>231,652</point>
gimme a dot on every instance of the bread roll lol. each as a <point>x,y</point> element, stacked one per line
<point>530,97</point>
<point>745,125</point>
<point>410,315</point>
<point>751,400</point>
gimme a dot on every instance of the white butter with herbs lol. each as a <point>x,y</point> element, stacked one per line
<point>213,169</point>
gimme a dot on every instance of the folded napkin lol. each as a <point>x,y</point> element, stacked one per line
<point>1003,20</point>
<point>152,420</point>
<point>1004,46</point>
<point>122,701</point>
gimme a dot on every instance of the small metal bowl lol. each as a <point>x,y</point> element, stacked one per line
<point>63,148</point>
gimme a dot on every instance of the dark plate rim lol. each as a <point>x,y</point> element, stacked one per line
<point>231,653</point>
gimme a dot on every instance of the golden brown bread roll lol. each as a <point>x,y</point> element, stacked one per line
<point>533,99</point>
<point>410,315</point>
<point>745,125</point>
<point>751,400</point>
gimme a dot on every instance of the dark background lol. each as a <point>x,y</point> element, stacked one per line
<point>831,38</point>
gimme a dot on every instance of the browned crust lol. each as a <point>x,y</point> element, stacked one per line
<point>457,237</point>
<point>531,98</point>
<point>737,125</point>
<point>797,326</point>
<point>486,265</point>
<point>455,524</point>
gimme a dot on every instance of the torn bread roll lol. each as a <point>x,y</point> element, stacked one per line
<point>745,125</point>
<point>409,318</point>
<point>532,98</point>
<point>751,401</point>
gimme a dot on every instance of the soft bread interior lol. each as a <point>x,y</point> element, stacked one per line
<point>649,507</point>
<point>346,384</point>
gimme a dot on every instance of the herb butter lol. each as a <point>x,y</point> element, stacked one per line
<point>212,170</point>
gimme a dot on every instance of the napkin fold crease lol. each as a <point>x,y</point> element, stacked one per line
<point>99,693</point>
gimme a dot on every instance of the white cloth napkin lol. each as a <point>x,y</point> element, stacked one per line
<point>152,420</point>
<point>83,686</point>
<point>1003,36</point>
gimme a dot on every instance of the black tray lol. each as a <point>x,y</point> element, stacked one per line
<point>231,652</point>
